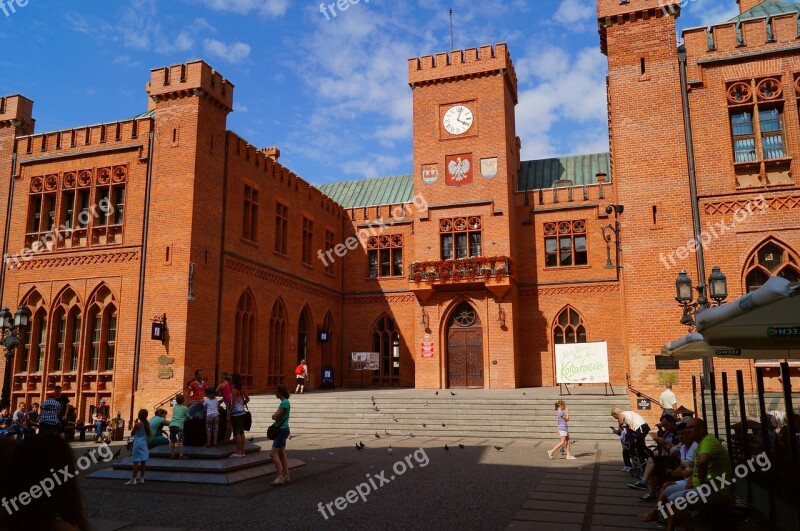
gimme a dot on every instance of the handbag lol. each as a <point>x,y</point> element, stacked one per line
<point>272,432</point>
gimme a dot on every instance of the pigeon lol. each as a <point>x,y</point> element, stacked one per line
<point>411,435</point>
<point>498,448</point>
<point>116,454</point>
<point>377,436</point>
<point>424,425</point>
<point>376,408</point>
<point>427,403</point>
<point>446,448</point>
<point>373,398</point>
<point>436,393</point>
<point>444,425</point>
<point>361,445</point>
<point>524,394</point>
<point>452,393</point>
<point>461,446</point>
<point>358,447</point>
<point>395,418</point>
<point>385,431</point>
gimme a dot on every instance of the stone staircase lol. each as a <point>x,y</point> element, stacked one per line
<point>517,413</point>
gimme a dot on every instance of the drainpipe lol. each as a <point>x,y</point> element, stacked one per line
<point>142,262</point>
<point>702,302</point>
<point>221,258</point>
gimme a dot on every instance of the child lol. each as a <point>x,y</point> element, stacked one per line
<point>562,416</point>
<point>211,405</point>
<point>140,453</point>
<point>301,373</point>
<point>179,415</point>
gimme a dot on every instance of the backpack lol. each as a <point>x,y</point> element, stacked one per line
<point>299,370</point>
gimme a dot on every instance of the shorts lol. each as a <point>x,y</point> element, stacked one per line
<point>49,429</point>
<point>301,380</point>
<point>692,496</point>
<point>237,424</point>
<point>175,434</point>
<point>280,440</point>
<point>563,433</point>
<point>212,423</point>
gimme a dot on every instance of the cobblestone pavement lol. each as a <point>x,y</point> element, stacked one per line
<point>478,487</point>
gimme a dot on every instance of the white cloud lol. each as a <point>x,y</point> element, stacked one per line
<point>238,107</point>
<point>561,88</point>
<point>273,8</point>
<point>235,52</point>
<point>576,15</point>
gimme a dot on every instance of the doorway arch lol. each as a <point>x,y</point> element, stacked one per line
<point>464,348</point>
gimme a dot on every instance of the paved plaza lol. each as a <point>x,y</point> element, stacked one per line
<point>477,487</point>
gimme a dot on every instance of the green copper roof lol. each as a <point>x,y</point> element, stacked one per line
<point>371,192</point>
<point>580,169</point>
<point>768,8</point>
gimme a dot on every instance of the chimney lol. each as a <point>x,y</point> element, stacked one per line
<point>746,5</point>
<point>272,152</point>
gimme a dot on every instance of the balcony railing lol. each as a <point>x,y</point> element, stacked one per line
<point>473,269</point>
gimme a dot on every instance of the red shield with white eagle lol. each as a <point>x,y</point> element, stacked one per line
<point>459,169</point>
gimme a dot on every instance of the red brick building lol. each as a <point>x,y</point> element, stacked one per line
<point>464,273</point>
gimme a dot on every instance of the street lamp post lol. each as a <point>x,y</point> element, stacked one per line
<point>11,331</point>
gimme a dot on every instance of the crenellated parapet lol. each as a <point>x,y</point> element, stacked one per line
<point>742,37</point>
<point>265,160</point>
<point>17,111</point>
<point>463,64</point>
<point>619,12</point>
<point>196,78</point>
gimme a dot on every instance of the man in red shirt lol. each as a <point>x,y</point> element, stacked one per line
<point>197,388</point>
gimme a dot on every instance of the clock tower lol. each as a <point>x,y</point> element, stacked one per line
<point>466,158</point>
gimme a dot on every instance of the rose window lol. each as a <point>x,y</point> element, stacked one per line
<point>739,93</point>
<point>769,89</point>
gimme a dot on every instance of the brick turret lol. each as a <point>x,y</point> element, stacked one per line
<point>745,5</point>
<point>190,79</point>
<point>17,111</point>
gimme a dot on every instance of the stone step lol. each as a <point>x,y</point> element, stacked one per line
<point>199,465</point>
<point>210,478</point>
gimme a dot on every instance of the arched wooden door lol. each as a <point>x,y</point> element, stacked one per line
<point>465,348</point>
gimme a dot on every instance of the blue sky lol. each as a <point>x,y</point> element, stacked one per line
<point>330,92</point>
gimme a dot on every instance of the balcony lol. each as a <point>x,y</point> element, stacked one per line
<point>493,272</point>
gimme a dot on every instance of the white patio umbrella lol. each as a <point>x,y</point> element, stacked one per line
<point>765,319</point>
<point>693,347</point>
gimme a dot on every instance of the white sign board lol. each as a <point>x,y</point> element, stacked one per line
<point>582,363</point>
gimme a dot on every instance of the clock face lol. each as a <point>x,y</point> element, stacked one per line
<point>457,120</point>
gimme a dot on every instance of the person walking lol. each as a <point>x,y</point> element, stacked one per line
<point>236,412</point>
<point>301,373</point>
<point>140,454</point>
<point>281,418</point>
<point>668,402</point>
<point>562,417</point>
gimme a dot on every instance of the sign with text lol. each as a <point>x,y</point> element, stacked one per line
<point>582,363</point>
<point>643,403</point>
<point>666,363</point>
<point>365,361</point>
<point>427,349</point>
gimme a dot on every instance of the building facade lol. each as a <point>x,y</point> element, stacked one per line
<point>465,273</point>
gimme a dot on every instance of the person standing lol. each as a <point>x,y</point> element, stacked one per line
<point>100,420</point>
<point>301,373</point>
<point>179,415</point>
<point>281,418</point>
<point>50,419</point>
<point>197,388</point>
<point>211,405</point>
<point>236,412</point>
<point>225,390</point>
<point>562,417</point>
<point>140,454</point>
<point>668,402</point>
<point>64,401</point>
